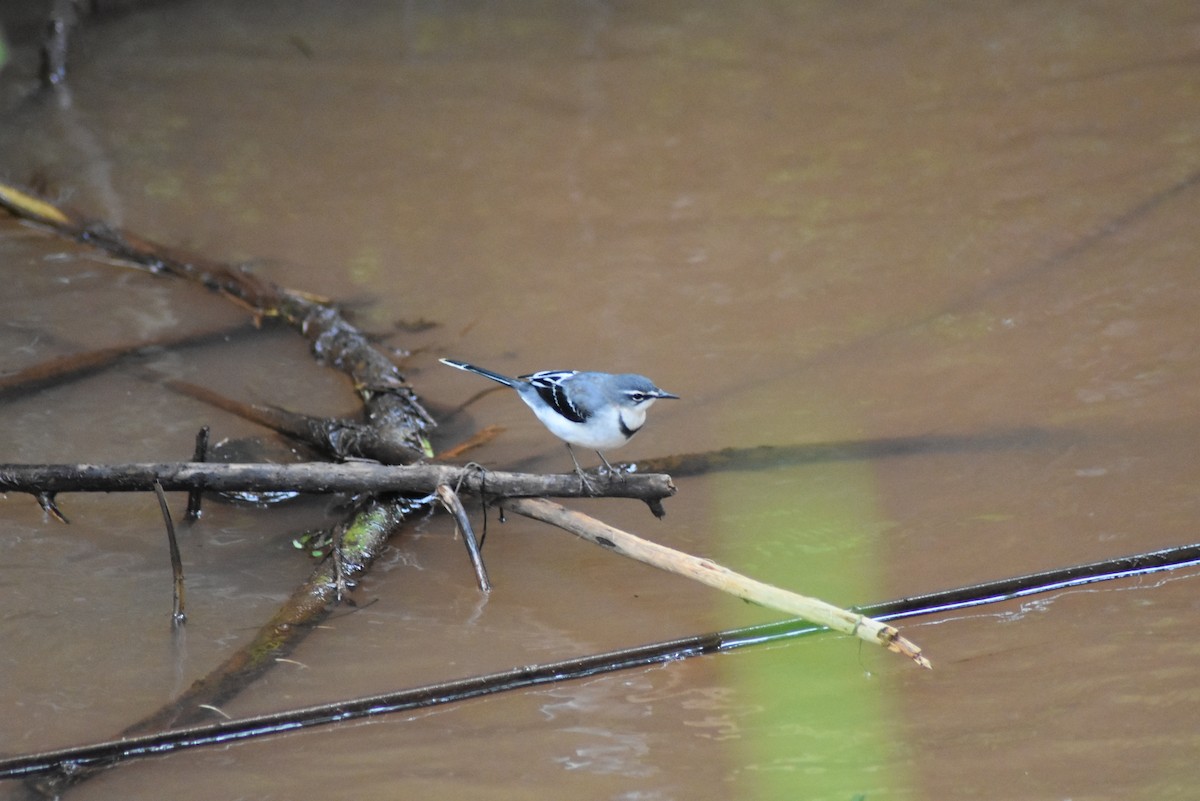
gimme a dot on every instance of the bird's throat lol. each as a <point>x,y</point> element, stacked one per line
<point>627,429</point>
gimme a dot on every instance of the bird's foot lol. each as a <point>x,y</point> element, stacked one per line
<point>585,485</point>
<point>606,469</point>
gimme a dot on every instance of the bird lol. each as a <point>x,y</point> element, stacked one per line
<point>594,410</point>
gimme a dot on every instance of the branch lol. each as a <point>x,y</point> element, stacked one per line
<point>722,578</point>
<point>223,733</point>
<point>320,477</point>
<point>454,507</point>
<point>392,407</point>
<point>79,365</point>
<point>363,539</point>
<point>337,438</point>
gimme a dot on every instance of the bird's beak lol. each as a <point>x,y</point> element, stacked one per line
<point>662,393</point>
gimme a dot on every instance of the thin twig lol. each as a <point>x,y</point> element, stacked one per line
<point>476,440</point>
<point>200,454</point>
<point>452,504</point>
<point>49,505</point>
<point>178,615</point>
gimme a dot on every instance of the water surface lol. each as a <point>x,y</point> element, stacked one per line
<point>972,226</point>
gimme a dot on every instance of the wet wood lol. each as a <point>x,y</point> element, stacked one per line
<point>60,370</point>
<point>322,478</point>
<point>68,761</point>
<point>363,539</point>
<point>338,438</point>
<point>392,408</point>
<point>178,599</point>
<point>454,506</point>
<point>200,454</point>
<point>714,575</point>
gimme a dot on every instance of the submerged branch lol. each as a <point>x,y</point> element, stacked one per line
<point>89,756</point>
<point>770,457</point>
<point>392,407</point>
<point>178,600</point>
<point>454,506</point>
<point>79,365</point>
<point>363,539</point>
<point>338,438</point>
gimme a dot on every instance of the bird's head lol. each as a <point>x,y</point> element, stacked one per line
<point>638,392</point>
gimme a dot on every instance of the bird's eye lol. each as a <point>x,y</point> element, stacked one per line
<point>637,397</point>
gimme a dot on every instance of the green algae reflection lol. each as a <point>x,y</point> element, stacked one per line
<point>817,724</point>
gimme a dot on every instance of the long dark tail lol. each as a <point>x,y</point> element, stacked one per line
<point>470,368</point>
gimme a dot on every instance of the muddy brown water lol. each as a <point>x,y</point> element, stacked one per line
<point>971,225</point>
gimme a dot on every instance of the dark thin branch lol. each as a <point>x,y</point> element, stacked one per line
<point>1043,581</point>
<point>363,539</point>
<point>80,365</point>
<point>200,454</point>
<point>61,762</point>
<point>178,614</point>
<point>453,504</point>
<point>49,505</point>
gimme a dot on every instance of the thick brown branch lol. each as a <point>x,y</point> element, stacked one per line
<point>319,477</point>
<point>339,439</point>
<point>392,407</point>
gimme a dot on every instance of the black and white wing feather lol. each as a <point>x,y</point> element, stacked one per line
<point>549,385</point>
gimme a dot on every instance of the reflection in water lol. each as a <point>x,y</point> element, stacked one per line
<point>603,751</point>
<point>613,750</point>
<point>97,166</point>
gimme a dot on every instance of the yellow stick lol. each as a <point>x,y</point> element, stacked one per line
<point>30,207</point>
<point>714,575</point>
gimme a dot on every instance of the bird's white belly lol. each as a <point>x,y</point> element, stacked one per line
<point>601,432</point>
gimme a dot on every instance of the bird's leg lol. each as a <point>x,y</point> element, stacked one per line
<point>611,470</point>
<point>579,471</point>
